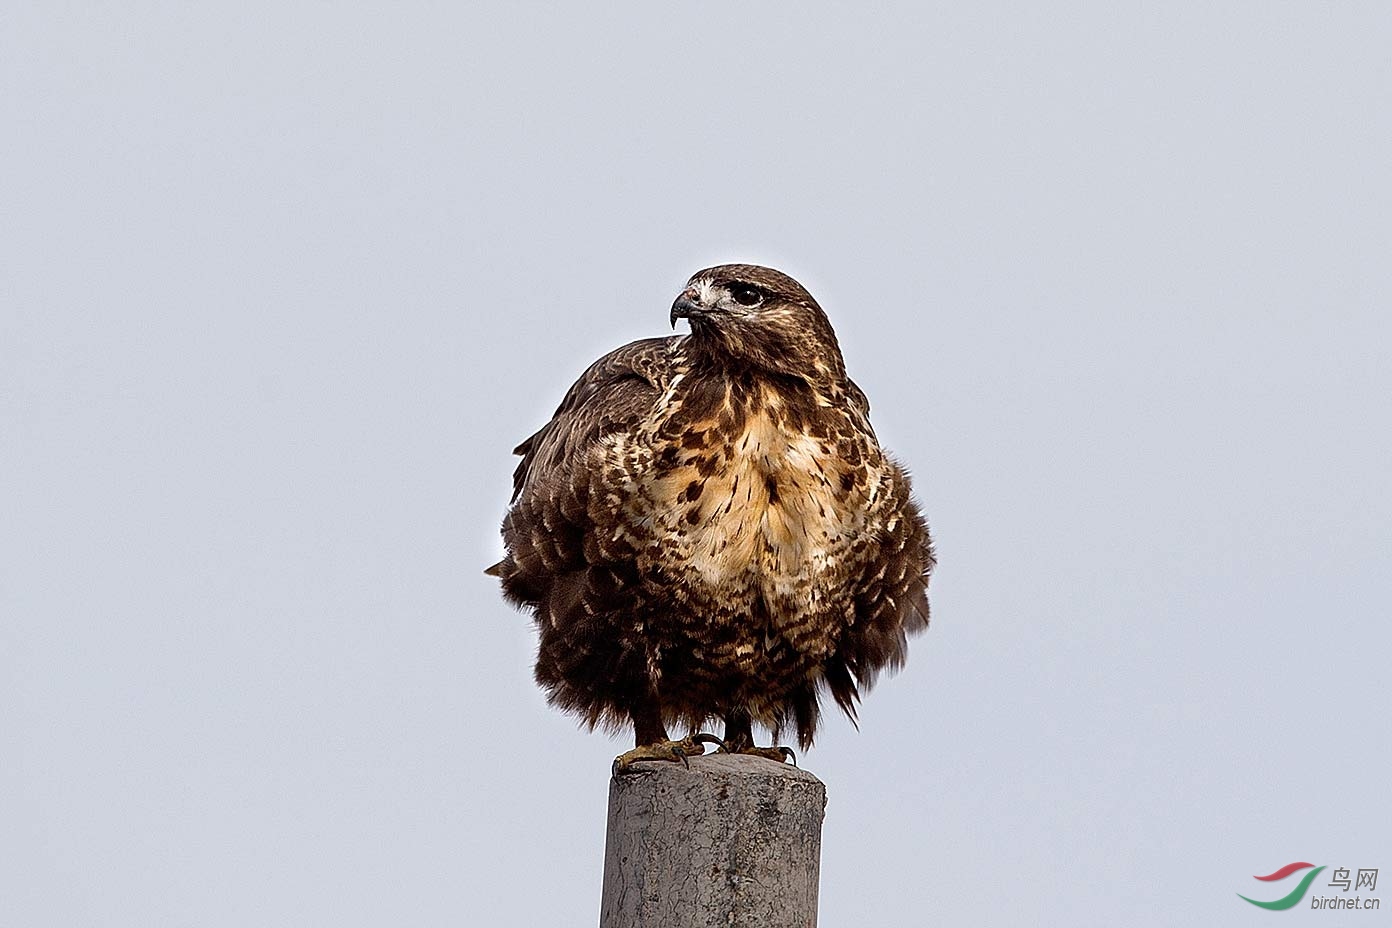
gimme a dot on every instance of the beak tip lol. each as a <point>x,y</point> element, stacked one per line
<point>683,308</point>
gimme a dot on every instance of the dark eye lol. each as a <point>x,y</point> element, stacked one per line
<point>746,295</point>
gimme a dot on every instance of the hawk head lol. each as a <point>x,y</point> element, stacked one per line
<point>761,317</point>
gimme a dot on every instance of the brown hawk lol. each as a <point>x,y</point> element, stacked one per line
<point>707,528</point>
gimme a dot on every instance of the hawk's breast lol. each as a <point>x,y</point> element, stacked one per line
<point>757,509</point>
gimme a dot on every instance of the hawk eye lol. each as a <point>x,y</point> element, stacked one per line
<point>746,295</point>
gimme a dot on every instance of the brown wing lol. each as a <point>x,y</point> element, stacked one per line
<point>612,394</point>
<point>545,529</point>
<point>564,562</point>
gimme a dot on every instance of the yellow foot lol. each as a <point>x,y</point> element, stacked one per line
<point>690,746</point>
<point>780,754</point>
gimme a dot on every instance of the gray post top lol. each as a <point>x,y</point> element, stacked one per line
<point>731,840</point>
<point>732,767</point>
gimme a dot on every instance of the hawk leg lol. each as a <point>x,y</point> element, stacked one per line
<point>654,744</point>
<point>739,739</point>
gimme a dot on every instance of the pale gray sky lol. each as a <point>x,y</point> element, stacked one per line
<point>283,286</point>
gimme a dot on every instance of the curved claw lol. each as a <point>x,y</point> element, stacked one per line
<point>661,750</point>
<point>778,753</point>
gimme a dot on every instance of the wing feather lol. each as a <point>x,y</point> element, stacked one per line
<point>612,394</point>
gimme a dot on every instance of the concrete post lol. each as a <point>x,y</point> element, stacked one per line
<point>733,841</point>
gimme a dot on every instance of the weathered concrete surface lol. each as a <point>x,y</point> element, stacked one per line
<point>734,841</point>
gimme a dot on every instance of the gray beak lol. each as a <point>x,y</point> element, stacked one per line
<point>685,308</point>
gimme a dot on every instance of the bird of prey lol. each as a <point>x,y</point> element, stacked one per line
<point>707,529</point>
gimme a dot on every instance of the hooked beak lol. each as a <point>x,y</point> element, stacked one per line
<point>685,308</point>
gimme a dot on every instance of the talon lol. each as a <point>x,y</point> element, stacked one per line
<point>672,751</point>
<point>779,753</point>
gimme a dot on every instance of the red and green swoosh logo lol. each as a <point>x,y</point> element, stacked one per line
<point>1295,895</point>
